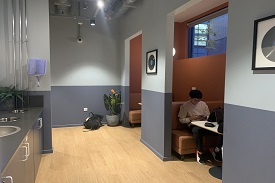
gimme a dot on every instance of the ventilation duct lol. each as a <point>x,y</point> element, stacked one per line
<point>116,8</point>
<point>70,8</point>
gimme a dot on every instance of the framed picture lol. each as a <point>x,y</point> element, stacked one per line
<point>263,57</point>
<point>151,62</point>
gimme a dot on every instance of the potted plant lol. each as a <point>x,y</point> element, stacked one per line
<point>8,94</point>
<point>112,103</point>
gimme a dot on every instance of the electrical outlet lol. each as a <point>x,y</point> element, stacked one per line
<point>85,109</point>
<point>194,88</point>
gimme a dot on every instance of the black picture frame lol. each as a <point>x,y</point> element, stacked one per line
<point>263,55</point>
<point>151,61</point>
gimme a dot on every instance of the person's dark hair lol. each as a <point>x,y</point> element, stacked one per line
<point>195,94</point>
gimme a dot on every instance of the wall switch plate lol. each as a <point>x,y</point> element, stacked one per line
<point>85,109</point>
<point>194,88</point>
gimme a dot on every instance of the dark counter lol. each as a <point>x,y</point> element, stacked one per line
<point>9,144</point>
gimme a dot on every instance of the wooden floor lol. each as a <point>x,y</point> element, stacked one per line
<point>113,154</point>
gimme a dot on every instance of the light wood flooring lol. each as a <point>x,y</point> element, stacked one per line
<point>113,155</point>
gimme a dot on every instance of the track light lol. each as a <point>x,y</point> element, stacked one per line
<point>92,22</point>
<point>85,5</point>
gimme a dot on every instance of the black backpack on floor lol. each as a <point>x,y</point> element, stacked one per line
<point>93,122</point>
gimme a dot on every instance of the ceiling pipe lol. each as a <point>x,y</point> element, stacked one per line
<point>79,38</point>
<point>118,7</point>
<point>96,12</point>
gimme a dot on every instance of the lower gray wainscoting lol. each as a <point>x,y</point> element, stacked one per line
<point>68,103</point>
<point>156,122</point>
<point>248,145</point>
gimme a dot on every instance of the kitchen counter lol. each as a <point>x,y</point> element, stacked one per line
<point>9,144</point>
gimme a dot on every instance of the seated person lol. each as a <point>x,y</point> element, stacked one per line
<point>195,110</point>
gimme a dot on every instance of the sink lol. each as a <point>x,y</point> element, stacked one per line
<point>8,130</point>
<point>9,119</point>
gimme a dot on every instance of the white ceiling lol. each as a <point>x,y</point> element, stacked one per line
<point>196,7</point>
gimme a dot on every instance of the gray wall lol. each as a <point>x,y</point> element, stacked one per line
<point>151,17</point>
<point>68,103</point>
<point>93,62</point>
<point>82,73</point>
<point>6,69</point>
<point>39,40</point>
<point>156,129</point>
<point>249,109</point>
<point>248,145</point>
<point>47,118</point>
<point>39,47</point>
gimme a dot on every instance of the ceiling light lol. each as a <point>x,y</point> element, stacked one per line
<point>85,5</point>
<point>92,22</point>
<point>100,3</point>
<point>79,40</point>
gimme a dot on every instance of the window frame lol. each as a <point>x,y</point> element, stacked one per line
<point>191,29</point>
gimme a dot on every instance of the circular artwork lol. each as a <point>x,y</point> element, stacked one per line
<point>152,62</point>
<point>268,45</point>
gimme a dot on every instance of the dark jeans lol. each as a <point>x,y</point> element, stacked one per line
<point>198,134</point>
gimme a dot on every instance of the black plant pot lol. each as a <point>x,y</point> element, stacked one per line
<point>7,105</point>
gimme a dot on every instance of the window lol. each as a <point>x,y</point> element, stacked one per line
<point>200,36</point>
<point>208,36</point>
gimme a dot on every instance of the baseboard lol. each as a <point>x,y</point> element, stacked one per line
<point>66,125</point>
<point>72,125</point>
<point>163,158</point>
<point>48,151</point>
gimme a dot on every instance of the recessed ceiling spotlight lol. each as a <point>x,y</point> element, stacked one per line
<point>100,3</point>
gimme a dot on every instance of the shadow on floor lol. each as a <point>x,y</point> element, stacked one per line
<point>216,172</point>
<point>215,167</point>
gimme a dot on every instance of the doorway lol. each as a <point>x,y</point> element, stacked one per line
<point>133,79</point>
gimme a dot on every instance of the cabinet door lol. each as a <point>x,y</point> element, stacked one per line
<point>29,164</point>
<point>37,134</point>
<point>15,169</point>
<point>24,164</point>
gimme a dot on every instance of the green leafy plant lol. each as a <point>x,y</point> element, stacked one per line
<point>9,92</point>
<point>112,102</point>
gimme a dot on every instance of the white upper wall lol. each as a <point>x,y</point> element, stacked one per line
<point>95,61</point>
<point>38,37</point>
<point>151,17</point>
<point>2,42</point>
<point>4,45</point>
<point>243,86</point>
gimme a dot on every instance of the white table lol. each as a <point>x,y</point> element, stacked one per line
<point>201,124</point>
